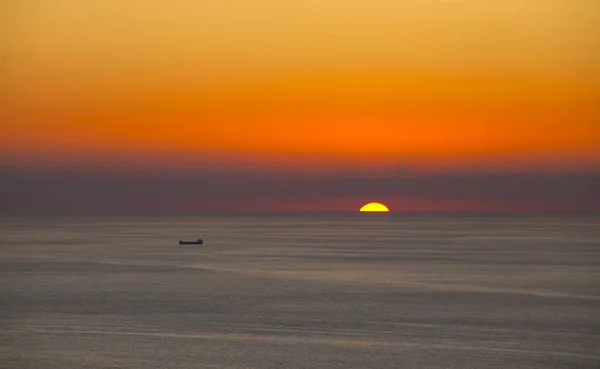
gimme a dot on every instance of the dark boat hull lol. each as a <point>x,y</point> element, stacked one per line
<point>199,242</point>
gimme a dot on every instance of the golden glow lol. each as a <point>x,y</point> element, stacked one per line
<point>413,82</point>
<point>374,207</point>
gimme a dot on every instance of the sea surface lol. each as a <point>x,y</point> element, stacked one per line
<point>301,291</point>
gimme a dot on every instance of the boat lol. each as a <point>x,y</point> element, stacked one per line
<point>197,242</point>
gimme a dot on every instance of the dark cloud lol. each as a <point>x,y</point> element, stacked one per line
<point>35,191</point>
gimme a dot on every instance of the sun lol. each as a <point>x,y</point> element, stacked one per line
<point>374,207</point>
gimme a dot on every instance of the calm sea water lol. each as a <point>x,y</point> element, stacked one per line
<point>301,291</point>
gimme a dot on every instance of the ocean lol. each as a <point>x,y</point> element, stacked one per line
<point>395,290</point>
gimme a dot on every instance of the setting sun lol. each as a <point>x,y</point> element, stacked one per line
<point>374,207</point>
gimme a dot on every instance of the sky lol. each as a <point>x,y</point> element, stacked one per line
<point>160,107</point>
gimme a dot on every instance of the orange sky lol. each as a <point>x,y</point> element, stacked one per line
<point>423,83</point>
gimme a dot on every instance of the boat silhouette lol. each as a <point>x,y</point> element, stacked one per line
<point>197,242</point>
